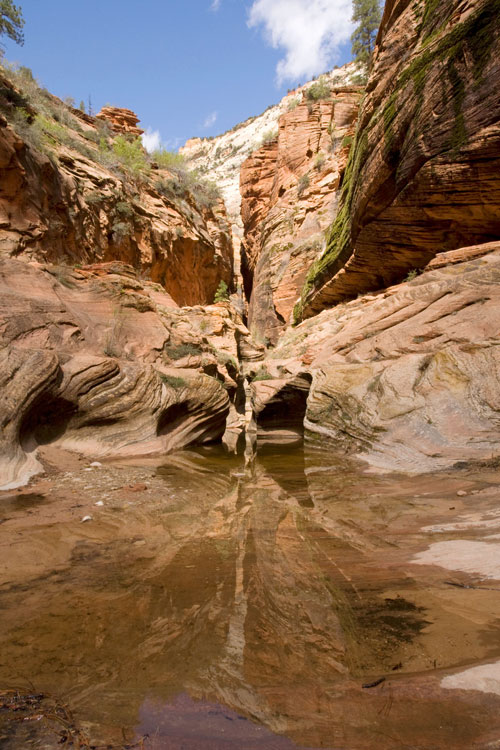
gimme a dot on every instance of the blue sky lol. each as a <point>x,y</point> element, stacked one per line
<point>192,67</point>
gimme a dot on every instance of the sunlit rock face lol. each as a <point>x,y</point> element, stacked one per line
<point>99,362</point>
<point>407,378</point>
<point>423,176</point>
<point>121,120</point>
<point>289,190</point>
<point>69,202</point>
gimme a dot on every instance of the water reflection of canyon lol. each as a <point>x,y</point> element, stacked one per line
<point>275,592</point>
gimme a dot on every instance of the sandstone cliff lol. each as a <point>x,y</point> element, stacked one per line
<point>289,197</point>
<point>408,378</point>
<point>72,192</point>
<point>96,361</point>
<point>423,175</point>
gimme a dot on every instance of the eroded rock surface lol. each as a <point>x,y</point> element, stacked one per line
<point>96,361</point>
<point>66,197</point>
<point>424,173</point>
<point>289,197</point>
<point>407,378</point>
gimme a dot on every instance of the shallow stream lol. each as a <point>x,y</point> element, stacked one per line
<point>295,602</point>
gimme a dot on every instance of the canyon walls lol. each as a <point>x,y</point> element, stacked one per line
<point>70,193</point>
<point>96,361</point>
<point>423,176</point>
<point>289,197</point>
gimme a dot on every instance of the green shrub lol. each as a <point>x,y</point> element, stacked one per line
<point>261,374</point>
<point>183,350</point>
<point>303,184</point>
<point>121,230</point>
<point>173,381</point>
<point>319,90</point>
<point>269,136</point>
<point>168,159</point>
<point>319,160</point>
<point>131,155</point>
<point>222,293</point>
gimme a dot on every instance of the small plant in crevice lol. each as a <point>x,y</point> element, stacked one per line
<point>411,275</point>
<point>261,374</point>
<point>182,350</point>
<point>222,293</point>
<point>173,381</point>
<point>319,161</point>
<point>303,184</point>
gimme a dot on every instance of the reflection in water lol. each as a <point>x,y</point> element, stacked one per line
<point>276,588</point>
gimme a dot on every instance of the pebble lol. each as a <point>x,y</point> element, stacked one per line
<point>461,493</point>
<point>96,464</point>
<point>86,518</point>
<point>137,487</point>
<point>100,503</point>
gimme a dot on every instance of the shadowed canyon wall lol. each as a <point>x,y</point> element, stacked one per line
<point>424,173</point>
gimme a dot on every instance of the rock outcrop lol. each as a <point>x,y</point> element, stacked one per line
<point>96,361</point>
<point>67,195</point>
<point>289,198</point>
<point>424,172</point>
<point>121,120</point>
<point>408,378</point>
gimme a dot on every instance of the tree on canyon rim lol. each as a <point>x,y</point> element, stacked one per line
<point>367,15</point>
<point>11,21</point>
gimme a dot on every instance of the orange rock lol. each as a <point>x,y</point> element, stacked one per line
<point>289,197</point>
<point>425,175</point>
<point>121,120</point>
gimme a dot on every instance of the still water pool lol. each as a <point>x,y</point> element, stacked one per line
<point>295,602</point>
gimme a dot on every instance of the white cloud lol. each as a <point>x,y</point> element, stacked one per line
<point>151,140</point>
<point>310,32</point>
<point>215,5</point>
<point>210,120</point>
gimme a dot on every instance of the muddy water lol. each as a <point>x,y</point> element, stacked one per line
<point>210,605</point>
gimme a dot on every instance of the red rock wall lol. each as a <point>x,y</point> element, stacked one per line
<point>289,197</point>
<point>424,175</point>
<point>65,205</point>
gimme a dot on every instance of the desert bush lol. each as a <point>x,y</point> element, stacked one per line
<point>173,381</point>
<point>131,155</point>
<point>269,136</point>
<point>168,159</point>
<point>303,184</point>
<point>319,90</point>
<point>121,230</point>
<point>183,350</point>
<point>319,160</point>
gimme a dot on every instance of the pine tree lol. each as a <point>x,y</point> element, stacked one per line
<point>366,14</point>
<point>222,293</point>
<point>11,21</point>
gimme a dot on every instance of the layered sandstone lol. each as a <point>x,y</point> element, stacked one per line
<point>222,156</point>
<point>122,120</point>
<point>407,379</point>
<point>424,173</point>
<point>65,196</point>
<point>96,361</point>
<point>289,197</point>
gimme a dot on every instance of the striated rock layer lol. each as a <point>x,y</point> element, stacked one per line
<point>65,197</point>
<point>424,173</point>
<point>96,361</point>
<point>407,379</point>
<point>289,198</point>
